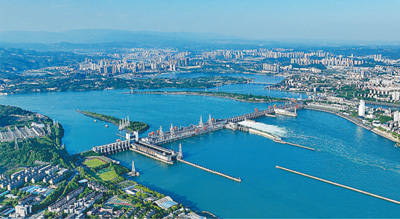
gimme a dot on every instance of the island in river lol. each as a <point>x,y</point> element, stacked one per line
<point>133,125</point>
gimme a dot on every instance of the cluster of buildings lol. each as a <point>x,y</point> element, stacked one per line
<point>275,68</point>
<point>139,60</point>
<point>74,206</point>
<point>109,212</point>
<point>379,83</point>
<point>328,61</point>
<point>392,125</point>
<point>35,130</point>
<point>47,174</point>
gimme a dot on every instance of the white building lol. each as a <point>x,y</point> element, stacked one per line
<point>361,108</point>
<point>395,95</point>
<point>396,116</point>
<point>23,210</point>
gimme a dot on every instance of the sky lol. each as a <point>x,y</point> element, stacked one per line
<point>353,20</point>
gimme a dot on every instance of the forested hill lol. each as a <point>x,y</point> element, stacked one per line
<point>18,60</point>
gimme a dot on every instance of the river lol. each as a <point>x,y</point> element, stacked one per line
<point>345,153</point>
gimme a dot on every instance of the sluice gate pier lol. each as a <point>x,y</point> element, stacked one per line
<point>150,145</point>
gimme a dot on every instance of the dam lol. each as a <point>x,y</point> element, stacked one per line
<point>151,145</point>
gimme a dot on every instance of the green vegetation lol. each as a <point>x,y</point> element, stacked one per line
<point>30,150</point>
<point>233,96</point>
<point>244,97</point>
<point>10,115</point>
<point>18,60</point>
<point>112,173</point>
<point>56,194</point>
<point>394,134</point>
<point>108,175</point>
<point>384,119</point>
<point>379,114</point>
<point>352,91</point>
<point>101,171</point>
<point>354,114</point>
<point>134,126</point>
<point>58,84</point>
<point>27,151</point>
<point>93,162</point>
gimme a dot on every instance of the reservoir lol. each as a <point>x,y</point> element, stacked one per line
<point>345,153</point>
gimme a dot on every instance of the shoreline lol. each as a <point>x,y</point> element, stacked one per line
<point>356,122</point>
<point>215,94</point>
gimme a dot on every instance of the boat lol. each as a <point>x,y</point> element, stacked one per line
<point>106,125</point>
<point>94,120</point>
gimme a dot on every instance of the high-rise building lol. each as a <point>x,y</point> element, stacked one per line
<point>361,108</point>
<point>396,116</point>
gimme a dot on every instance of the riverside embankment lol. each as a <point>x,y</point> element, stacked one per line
<point>356,121</point>
<point>233,96</point>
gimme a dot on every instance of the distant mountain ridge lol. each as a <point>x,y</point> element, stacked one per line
<point>103,36</point>
<point>106,38</point>
<point>99,38</point>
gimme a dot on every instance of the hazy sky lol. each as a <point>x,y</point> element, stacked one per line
<point>262,19</point>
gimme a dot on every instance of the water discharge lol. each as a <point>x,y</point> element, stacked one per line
<point>272,129</point>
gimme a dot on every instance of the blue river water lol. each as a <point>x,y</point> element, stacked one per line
<point>345,153</point>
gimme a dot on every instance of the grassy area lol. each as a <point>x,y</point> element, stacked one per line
<point>109,175</point>
<point>94,162</point>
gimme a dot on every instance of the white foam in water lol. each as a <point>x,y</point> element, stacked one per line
<point>337,147</point>
<point>273,129</point>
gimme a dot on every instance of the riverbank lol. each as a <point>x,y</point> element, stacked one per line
<point>232,96</point>
<point>357,122</point>
<point>349,118</point>
<point>382,103</point>
<point>37,85</point>
<point>386,135</point>
<point>133,126</point>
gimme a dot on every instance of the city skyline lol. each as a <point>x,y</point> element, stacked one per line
<point>352,20</point>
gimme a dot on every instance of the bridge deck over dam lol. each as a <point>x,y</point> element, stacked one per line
<point>155,139</point>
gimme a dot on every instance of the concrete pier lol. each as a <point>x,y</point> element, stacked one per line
<point>296,145</point>
<point>339,185</point>
<point>211,171</point>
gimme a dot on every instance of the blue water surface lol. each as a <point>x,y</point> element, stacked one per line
<point>345,153</point>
